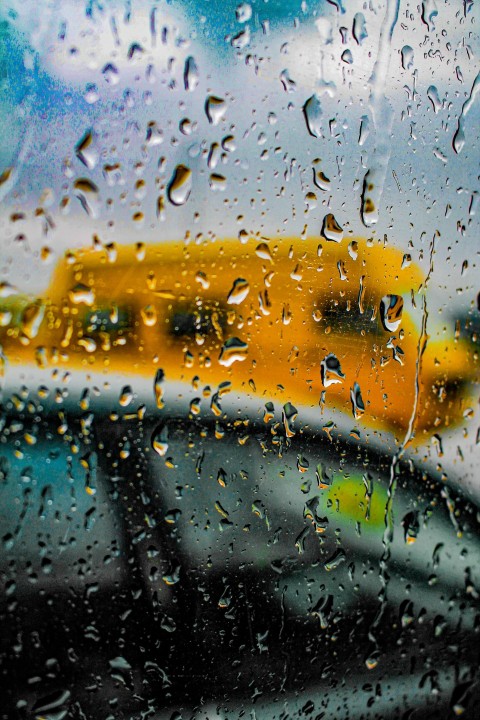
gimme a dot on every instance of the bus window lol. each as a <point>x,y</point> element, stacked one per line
<point>187,322</point>
<point>112,320</point>
<point>344,317</point>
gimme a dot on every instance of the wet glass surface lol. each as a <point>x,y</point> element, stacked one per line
<point>239,317</point>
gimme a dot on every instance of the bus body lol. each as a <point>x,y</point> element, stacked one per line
<point>307,322</point>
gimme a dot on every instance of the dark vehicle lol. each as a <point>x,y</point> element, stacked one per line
<point>158,564</point>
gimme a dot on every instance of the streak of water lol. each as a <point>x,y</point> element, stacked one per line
<point>392,483</point>
<point>459,137</point>
<point>382,116</point>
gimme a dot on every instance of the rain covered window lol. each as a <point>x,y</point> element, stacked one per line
<point>239,359</point>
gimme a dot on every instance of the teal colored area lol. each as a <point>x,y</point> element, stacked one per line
<point>218,18</point>
<point>16,84</point>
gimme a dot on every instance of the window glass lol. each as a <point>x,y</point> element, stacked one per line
<point>239,359</point>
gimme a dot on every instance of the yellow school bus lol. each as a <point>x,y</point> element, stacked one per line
<point>309,322</point>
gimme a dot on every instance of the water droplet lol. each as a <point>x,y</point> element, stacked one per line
<point>289,415</point>
<point>269,412</point>
<point>302,464</point>
<point>233,350</point>
<point>358,407</point>
<point>239,292</point>
<point>86,186</point>
<point>91,93</point>
<point>5,318</point>
<point>217,182</point>
<point>173,516</point>
<point>243,12</point>
<point>411,527</point>
<point>300,540</point>
<point>149,315</point>
<point>440,625</point>
<point>364,130</point>
<point>310,201</point>
<point>7,290</point>
<point>154,135</point>
<point>432,94</point>
<point>336,559</point>
<point>289,85</point>
<point>331,230</point>
<point>330,370</point>
<point>190,74</point>
<point>324,477</point>
<point>347,57</point>
<point>213,156</point>
<point>47,254</point>
<point>459,137</point>
<point>215,109</point>
<point>195,406</point>
<point>110,74</point>
<point>311,513</point>
<point>125,451</point>
<point>406,613</point>
<point>297,272</point>
<point>323,610</point>
<point>160,440</point>
<point>312,111</point>
<point>85,151</point>
<point>158,389</point>
<point>437,444</point>
<point>6,175</point>
<point>339,5</point>
<point>391,307</point>
<point>173,577</point>
<point>429,12</point>
<point>241,39</point>
<point>202,279</point>
<point>224,388</point>
<point>221,510</point>
<point>32,318</point>
<point>359,30</point>
<point>52,704</point>
<point>82,294</point>
<point>126,396</point>
<point>286,314</point>
<point>87,192</point>
<point>180,185</point>
<point>88,344</point>
<point>160,209</point>
<point>222,477</point>
<point>89,462</point>
<point>369,209</point>
<point>461,697</point>
<point>228,143</point>
<point>263,251</point>
<point>407,57</point>
<point>319,177</point>
<point>342,270</point>
<point>226,600</point>
<point>135,51</point>
<point>186,127</point>
<point>372,660</point>
<point>324,30</point>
